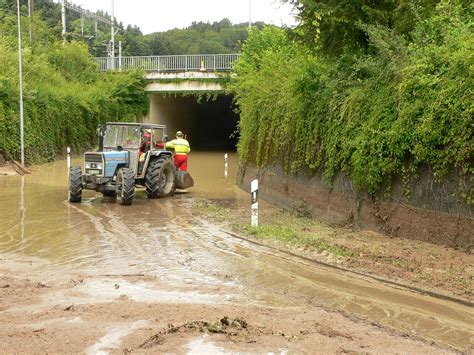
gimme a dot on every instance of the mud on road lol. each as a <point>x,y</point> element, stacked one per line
<point>156,277</point>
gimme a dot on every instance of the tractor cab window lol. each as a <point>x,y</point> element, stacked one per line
<point>152,138</point>
<point>159,138</point>
<point>121,136</point>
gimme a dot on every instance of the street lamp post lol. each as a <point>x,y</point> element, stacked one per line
<point>63,19</point>
<point>20,70</point>
<point>30,15</point>
<point>112,50</point>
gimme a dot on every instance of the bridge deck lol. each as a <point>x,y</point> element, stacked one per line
<point>169,63</point>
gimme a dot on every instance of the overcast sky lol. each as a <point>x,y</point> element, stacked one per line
<point>162,15</point>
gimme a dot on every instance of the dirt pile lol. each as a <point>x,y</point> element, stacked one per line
<point>236,330</point>
<point>12,167</point>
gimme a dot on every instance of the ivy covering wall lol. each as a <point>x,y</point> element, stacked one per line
<point>65,96</point>
<point>373,110</point>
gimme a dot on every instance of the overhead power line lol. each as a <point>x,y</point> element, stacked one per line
<point>87,13</point>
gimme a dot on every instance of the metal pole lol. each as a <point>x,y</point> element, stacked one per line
<point>30,15</point>
<point>120,55</point>
<point>63,19</point>
<point>112,51</point>
<point>20,70</point>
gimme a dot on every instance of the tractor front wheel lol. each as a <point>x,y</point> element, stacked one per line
<point>125,186</point>
<point>75,184</point>
<point>159,178</point>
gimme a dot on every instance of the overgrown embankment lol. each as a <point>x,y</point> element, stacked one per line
<point>373,93</point>
<point>65,97</point>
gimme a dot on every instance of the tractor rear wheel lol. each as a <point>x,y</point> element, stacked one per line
<point>159,178</point>
<point>75,184</point>
<point>125,186</point>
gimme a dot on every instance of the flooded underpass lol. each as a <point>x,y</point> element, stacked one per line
<point>153,277</point>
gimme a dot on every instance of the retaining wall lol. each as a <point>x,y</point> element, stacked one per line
<point>419,209</point>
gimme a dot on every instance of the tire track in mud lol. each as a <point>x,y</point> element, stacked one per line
<point>115,244</point>
<point>169,251</point>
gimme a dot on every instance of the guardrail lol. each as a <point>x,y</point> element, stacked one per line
<point>169,63</point>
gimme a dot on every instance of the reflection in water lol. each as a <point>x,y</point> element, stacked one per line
<point>22,208</point>
<point>162,238</point>
<point>226,165</point>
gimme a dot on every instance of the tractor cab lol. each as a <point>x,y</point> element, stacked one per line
<point>138,142</point>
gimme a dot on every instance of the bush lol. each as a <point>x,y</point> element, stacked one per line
<point>65,98</point>
<point>372,115</point>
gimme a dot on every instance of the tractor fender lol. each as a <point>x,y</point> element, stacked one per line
<point>162,153</point>
<point>119,166</point>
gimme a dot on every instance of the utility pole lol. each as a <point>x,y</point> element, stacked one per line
<point>82,26</point>
<point>112,50</point>
<point>20,70</point>
<point>120,55</point>
<point>30,15</point>
<point>63,18</point>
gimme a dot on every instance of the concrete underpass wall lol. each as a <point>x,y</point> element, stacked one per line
<point>207,124</point>
<point>433,212</point>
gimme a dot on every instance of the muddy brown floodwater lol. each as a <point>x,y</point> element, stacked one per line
<point>98,277</point>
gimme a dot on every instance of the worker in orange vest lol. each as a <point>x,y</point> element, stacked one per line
<point>181,150</point>
<point>145,146</point>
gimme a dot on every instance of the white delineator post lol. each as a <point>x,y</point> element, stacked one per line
<point>254,192</point>
<point>68,160</point>
<point>225,165</point>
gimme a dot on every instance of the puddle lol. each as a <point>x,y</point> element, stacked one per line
<point>113,338</point>
<point>202,346</point>
<point>107,291</point>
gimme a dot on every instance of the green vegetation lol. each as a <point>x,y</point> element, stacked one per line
<point>289,227</point>
<point>65,97</point>
<point>372,91</point>
<point>199,38</point>
<point>289,235</point>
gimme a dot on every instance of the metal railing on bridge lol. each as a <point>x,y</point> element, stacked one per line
<point>169,63</point>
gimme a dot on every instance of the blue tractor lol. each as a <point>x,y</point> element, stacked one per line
<point>129,154</point>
